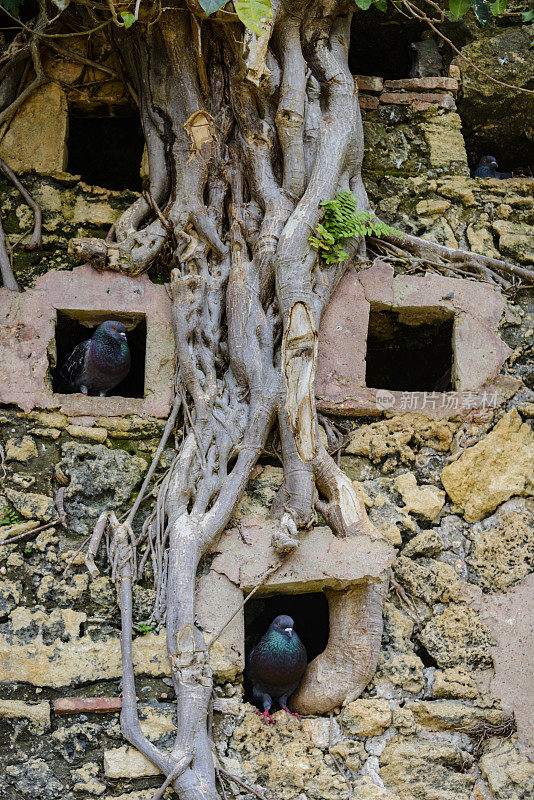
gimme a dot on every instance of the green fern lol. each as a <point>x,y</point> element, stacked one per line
<point>145,627</point>
<point>9,517</point>
<point>341,221</point>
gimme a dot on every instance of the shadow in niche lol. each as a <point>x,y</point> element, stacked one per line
<point>408,358</point>
<point>106,150</point>
<point>70,332</point>
<point>310,612</point>
<point>381,44</point>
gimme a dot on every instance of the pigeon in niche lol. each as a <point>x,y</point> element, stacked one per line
<point>100,363</point>
<point>487,167</point>
<point>276,665</point>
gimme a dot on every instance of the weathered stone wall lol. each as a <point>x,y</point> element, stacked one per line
<point>453,496</point>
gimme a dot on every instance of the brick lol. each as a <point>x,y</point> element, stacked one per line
<point>369,83</point>
<point>367,101</point>
<point>407,98</point>
<point>423,84</point>
<point>87,705</point>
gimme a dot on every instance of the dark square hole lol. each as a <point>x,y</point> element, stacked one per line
<point>70,332</point>
<point>408,358</point>
<point>309,611</point>
<point>106,150</point>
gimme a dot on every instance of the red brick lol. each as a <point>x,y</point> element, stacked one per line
<point>87,705</point>
<point>406,98</point>
<point>367,101</point>
<point>422,84</point>
<point>369,83</point>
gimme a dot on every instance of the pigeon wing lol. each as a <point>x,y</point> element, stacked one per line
<point>74,365</point>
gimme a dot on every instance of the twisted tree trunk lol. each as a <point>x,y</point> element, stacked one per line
<point>242,149</point>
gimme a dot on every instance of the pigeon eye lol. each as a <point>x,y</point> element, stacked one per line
<point>485,160</point>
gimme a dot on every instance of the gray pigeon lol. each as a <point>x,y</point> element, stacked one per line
<point>276,665</point>
<point>487,167</point>
<point>97,365</point>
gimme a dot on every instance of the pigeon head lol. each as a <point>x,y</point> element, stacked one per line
<point>282,625</point>
<point>487,167</point>
<point>112,329</point>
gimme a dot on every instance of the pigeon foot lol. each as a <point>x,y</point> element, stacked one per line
<point>293,713</point>
<point>266,716</point>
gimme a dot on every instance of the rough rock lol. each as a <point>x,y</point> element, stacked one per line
<point>454,715</point>
<point>398,663</point>
<point>10,594</point>
<point>503,546</point>
<point>38,714</point>
<point>486,476</point>
<point>426,543</point>
<point>282,759</point>
<point>46,649</point>
<point>387,517</point>
<point>424,501</point>
<point>260,493</point>
<point>454,683</point>
<point>127,762</point>
<point>32,505</point>
<point>509,774</point>
<point>457,637</point>
<point>366,717</point>
<point>351,753</point>
<point>419,769</point>
<point>366,789</point>
<point>45,112</point>
<point>21,449</point>
<point>101,479</point>
<point>401,435</point>
<point>35,779</point>
<point>426,579</point>
<point>95,434</point>
<point>86,778</point>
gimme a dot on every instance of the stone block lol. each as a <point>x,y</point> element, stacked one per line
<point>479,353</point>
<point>87,705</point>
<point>367,101</point>
<point>422,84</point>
<point>36,138</point>
<point>369,83</point>
<point>38,714</point>
<point>28,349</point>
<point>367,717</point>
<point>406,98</point>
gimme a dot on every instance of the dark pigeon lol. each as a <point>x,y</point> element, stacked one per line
<point>97,365</point>
<point>488,168</point>
<point>276,666</point>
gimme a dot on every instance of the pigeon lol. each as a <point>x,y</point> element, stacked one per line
<point>97,365</point>
<point>276,665</point>
<point>487,168</point>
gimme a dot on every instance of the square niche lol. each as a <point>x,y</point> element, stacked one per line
<point>74,327</point>
<point>421,344</point>
<point>42,325</point>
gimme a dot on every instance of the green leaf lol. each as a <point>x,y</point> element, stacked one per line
<point>459,7</point>
<point>211,6</point>
<point>382,5</point>
<point>364,4</point>
<point>128,19</point>
<point>498,7</point>
<point>252,12</point>
<point>480,7</point>
<point>528,16</point>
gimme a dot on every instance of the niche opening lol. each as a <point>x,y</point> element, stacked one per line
<point>412,358</point>
<point>70,331</point>
<point>106,150</point>
<point>380,44</point>
<point>310,612</point>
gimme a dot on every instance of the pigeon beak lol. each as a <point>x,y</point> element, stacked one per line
<point>289,632</point>
<point>122,335</point>
<point>493,164</point>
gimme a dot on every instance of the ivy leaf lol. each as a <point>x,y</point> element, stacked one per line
<point>382,5</point>
<point>128,19</point>
<point>211,6</point>
<point>498,7</point>
<point>364,4</point>
<point>459,7</point>
<point>252,12</point>
<point>528,16</point>
<point>480,7</point>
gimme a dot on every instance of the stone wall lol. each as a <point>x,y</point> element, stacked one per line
<point>449,714</point>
